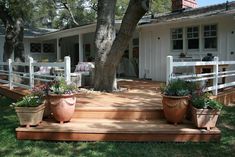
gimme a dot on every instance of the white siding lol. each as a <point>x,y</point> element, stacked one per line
<point>153,53</point>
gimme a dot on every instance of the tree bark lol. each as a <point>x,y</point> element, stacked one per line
<point>110,49</point>
<point>104,37</point>
<point>14,34</point>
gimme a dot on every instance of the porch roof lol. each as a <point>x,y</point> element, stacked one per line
<point>31,32</point>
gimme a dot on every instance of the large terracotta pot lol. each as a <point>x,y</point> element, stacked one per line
<point>30,116</point>
<point>205,118</point>
<point>175,108</point>
<point>62,106</point>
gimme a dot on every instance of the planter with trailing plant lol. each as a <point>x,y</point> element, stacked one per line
<point>61,98</point>
<point>175,100</point>
<point>29,110</point>
<point>205,111</point>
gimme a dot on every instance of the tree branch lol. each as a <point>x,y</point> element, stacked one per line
<point>145,5</point>
<point>65,4</point>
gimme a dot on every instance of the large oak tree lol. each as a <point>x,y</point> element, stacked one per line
<point>111,46</point>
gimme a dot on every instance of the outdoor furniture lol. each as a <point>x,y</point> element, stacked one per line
<point>43,71</point>
<point>83,74</point>
<point>209,69</point>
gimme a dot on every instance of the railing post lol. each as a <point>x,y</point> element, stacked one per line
<point>169,68</point>
<point>67,69</point>
<point>10,75</point>
<point>31,73</point>
<point>216,71</point>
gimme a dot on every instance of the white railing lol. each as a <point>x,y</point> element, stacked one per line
<point>214,75</point>
<point>31,75</point>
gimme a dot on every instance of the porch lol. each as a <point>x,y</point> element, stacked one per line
<point>135,114</point>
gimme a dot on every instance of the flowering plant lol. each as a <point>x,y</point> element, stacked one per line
<point>59,86</point>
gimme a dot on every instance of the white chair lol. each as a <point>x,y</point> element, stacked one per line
<point>83,74</point>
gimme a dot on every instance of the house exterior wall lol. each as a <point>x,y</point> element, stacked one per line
<point>155,44</point>
<point>39,56</point>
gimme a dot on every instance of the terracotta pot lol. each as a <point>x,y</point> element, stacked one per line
<point>30,116</point>
<point>175,108</point>
<point>62,106</point>
<point>205,118</point>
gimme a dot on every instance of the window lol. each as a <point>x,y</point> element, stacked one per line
<point>48,48</point>
<point>210,37</point>
<point>193,38</point>
<point>135,42</point>
<point>177,38</point>
<point>35,47</point>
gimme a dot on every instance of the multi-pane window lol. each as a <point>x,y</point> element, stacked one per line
<point>193,38</point>
<point>35,47</point>
<point>210,36</point>
<point>177,38</point>
<point>48,48</point>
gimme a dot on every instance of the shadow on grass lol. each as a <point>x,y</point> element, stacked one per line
<point>9,146</point>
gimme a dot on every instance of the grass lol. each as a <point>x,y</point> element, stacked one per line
<point>9,146</point>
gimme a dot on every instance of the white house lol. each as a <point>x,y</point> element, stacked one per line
<point>190,31</point>
<point>187,30</point>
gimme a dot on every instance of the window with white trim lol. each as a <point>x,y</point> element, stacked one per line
<point>193,38</point>
<point>210,37</point>
<point>177,38</point>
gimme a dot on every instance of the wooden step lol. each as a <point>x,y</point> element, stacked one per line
<point>119,112</point>
<point>119,106</point>
<point>117,130</point>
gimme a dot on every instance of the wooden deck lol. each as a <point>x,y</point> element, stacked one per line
<point>134,114</point>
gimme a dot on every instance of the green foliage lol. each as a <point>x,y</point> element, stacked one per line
<point>203,101</point>
<point>176,88</point>
<point>19,8</point>
<point>160,6</point>
<point>156,6</point>
<point>29,101</point>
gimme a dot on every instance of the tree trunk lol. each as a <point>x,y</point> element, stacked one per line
<point>110,51</point>
<point>14,34</point>
<point>104,37</point>
<point>19,45</point>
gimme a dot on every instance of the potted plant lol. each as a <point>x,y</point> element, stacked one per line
<point>175,100</point>
<point>62,99</point>
<point>30,110</point>
<point>205,111</point>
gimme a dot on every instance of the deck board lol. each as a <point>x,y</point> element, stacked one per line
<point>117,130</point>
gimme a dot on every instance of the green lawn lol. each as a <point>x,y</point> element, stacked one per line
<point>9,146</point>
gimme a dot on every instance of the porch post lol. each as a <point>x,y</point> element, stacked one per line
<point>216,72</point>
<point>67,69</point>
<point>31,73</point>
<point>169,68</point>
<point>10,75</point>
<point>58,55</point>
<point>80,47</point>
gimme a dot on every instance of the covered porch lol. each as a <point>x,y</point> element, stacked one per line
<point>78,43</point>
